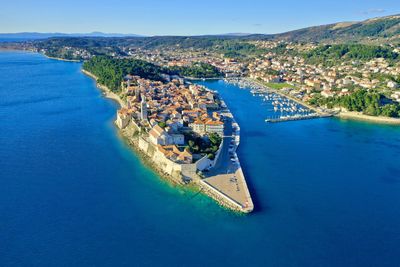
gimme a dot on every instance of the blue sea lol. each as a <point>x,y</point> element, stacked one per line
<point>72,193</point>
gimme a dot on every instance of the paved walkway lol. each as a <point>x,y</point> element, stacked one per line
<point>227,176</point>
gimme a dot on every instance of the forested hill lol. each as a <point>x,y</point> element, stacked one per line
<point>377,29</point>
<point>111,71</point>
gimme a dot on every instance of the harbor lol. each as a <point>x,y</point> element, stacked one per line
<point>284,108</point>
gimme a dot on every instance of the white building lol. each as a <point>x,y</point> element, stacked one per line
<point>207,126</point>
<point>215,127</point>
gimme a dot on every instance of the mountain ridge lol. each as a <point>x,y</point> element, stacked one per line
<point>374,30</point>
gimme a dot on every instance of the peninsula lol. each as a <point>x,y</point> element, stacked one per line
<point>185,131</point>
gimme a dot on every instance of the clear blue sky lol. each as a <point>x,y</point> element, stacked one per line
<point>178,17</point>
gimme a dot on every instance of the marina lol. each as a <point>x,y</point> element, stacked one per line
<point>284,108</point>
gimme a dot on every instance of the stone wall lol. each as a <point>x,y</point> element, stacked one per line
<point>143,145</point>
<point>220,197</point>
<point>205,162</point>
<point>218,153</point>
<point>166,165</point>
<point>122,121</point>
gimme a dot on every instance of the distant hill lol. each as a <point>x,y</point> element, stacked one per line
<point>235,34</point>
<point>382,30</point>
<point>376,29</point>
<point>38,35</point>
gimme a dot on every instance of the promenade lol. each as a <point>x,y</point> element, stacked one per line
<point>226,178</point>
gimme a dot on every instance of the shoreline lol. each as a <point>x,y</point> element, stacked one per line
<point>345,115</point>
<point>351,115</point>
<point>2,48</point>
<point>106,92</point>
<point>125,134</point>
<point>62,59</point>
<point>127,137</point>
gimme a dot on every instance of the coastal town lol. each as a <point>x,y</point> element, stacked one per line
<point>200,133</point>
<point>318,84</point>
<point>326,77</point>
<point>304,81</point>
<point>187,133</point>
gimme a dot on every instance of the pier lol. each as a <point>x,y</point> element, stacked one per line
<point>297,117</point>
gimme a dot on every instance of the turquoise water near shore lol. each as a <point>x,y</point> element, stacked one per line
<point>327,191</point>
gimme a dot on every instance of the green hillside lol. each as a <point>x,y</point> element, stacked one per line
<point>372,30</point>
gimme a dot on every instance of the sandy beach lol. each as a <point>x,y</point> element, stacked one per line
<point>106,91</point>
<point>62,59</point>
<point>363,117</point>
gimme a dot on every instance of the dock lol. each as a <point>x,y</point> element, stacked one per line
<point>298,117</point>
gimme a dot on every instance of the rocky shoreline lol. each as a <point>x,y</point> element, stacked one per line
<point>132,142</point>
<point>129,131</point>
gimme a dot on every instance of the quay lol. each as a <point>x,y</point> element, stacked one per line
<point>297,117</point>
<point>225,182</point>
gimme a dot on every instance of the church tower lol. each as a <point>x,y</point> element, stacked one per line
<point>143,109</point>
